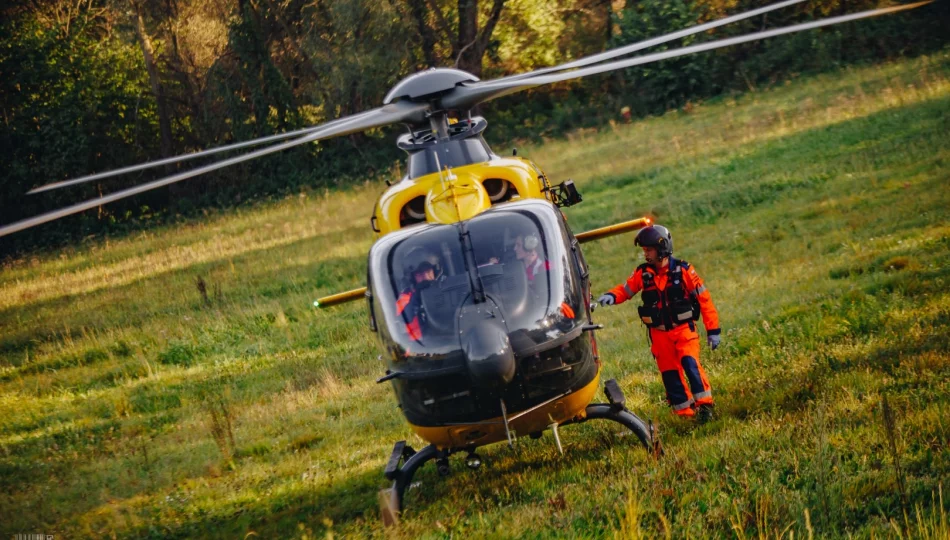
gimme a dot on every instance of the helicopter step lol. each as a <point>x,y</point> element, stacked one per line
<point>615,394</point>
<point>400,451</point>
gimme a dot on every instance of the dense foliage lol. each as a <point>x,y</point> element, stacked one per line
<point>97,84</point>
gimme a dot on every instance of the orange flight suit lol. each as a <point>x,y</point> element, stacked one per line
<point>409,305</point>
<point>676,349</point>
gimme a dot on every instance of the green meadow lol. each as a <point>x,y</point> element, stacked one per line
<point>177,382</point>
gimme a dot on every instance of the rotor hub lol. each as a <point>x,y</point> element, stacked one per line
<point>428,85</point>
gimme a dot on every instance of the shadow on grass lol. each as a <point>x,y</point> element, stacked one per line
<point>351,498</point>
<point>72,455</point>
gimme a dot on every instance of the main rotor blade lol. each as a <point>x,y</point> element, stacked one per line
<point>383,116</point>
<point>467,96</point>
<point>634,47</point>
<point>185,157</point>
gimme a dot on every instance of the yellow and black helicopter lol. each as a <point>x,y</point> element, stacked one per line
<point>476,286</point>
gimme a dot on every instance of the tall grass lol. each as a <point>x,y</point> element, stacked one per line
<point>177,382</point>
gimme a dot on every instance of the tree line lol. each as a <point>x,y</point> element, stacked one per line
<point>93,85</point>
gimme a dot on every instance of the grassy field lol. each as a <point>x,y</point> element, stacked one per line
<point>179,383</point>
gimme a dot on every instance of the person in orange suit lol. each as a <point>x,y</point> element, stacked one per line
<point>421,270</point>
<point>674,297</point>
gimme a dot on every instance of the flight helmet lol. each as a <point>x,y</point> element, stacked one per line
<point>420,259</point>
<point>656,236</point>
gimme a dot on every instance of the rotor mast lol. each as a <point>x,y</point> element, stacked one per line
<point>439,121</point>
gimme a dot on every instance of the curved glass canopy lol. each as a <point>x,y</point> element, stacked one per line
<point>512,262</point>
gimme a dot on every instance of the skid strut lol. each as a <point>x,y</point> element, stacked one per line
<point>391,499</point>
<point>616,411</point>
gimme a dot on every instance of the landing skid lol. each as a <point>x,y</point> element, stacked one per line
<point>617,411</point>
<point>391,500</point>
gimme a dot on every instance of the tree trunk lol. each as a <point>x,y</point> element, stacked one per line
<point>164,122</point>
<point>418,10</point>
<point>484,37</point>
<point>182,71</point>
<point>472,43</point>
<point>465,47</point>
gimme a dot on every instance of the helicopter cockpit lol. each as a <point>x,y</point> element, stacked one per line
<point>432,283</point>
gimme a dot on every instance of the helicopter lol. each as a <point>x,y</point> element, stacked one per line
<point>477,288</point>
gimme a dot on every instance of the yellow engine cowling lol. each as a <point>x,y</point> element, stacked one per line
<point>457,194</point>
<point>456,199</point>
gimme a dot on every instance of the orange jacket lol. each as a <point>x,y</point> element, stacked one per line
<point>693,284</point>
<point>408,305</point>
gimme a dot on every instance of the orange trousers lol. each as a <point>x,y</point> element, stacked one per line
<point>677,356</point>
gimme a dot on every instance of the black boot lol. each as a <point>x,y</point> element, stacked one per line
<point>704,413</point>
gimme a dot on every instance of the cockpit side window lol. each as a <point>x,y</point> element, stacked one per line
<point>426,282</point>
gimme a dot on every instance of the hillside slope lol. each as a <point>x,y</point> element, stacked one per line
<point>178,383</point>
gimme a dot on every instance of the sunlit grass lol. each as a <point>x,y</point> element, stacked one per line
<point>816,211</point>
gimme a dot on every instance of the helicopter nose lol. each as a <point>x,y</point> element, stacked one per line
<point>488,354</point>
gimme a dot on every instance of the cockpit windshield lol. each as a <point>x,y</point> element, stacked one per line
<point>515,255</point>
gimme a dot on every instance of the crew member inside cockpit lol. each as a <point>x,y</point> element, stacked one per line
<point>526,251</point>
<point>422,268</point>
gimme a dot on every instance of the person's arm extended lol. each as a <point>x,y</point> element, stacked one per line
<point>626,290</point>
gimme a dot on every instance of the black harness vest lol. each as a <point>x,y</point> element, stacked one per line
<point>671,307</point>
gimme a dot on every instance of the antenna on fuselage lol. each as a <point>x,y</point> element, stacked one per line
<point>438,167</point>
